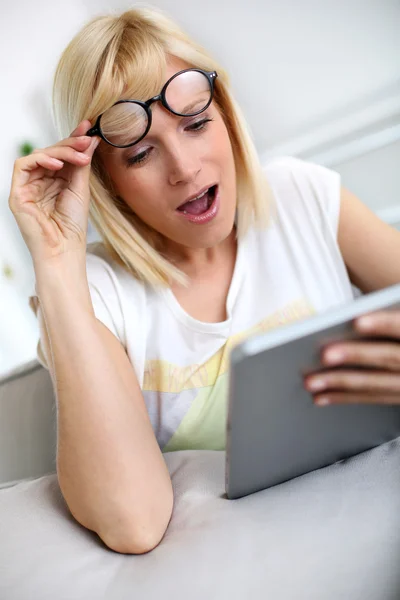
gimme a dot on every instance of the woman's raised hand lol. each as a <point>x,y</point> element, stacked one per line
<point>50,197</point>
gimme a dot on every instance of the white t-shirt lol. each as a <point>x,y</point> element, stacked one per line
<point>286,272</point>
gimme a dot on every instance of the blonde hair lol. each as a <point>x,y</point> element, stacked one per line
<point>125,56</point>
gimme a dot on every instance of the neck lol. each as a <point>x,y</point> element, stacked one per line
<point>194,261</point>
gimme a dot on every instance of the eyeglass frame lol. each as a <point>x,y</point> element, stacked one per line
<point>96,129</point>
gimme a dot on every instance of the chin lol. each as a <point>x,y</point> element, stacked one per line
<point>211,237</point>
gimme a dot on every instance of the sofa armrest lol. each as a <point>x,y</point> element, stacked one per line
<point>28,427</point>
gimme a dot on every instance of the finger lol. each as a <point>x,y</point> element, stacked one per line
<point>90,150</point>
<point>77,139</point>
<point>82,128</point>
<point>80,177</point>
<point>66,154</point>
<point>364,398</point>
<point>83,144</point>
<point>80,143</point>
<point>354,381</point>
<point>382,323</point>
<point>23,168</point>
<point>385,355</point>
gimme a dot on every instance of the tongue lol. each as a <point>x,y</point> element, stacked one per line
<point>197,207</point>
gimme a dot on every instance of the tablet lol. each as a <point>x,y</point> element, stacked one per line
<point>274,430</point>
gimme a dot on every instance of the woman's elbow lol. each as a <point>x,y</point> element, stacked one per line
<point>139,535</point>
<point>133,540</point>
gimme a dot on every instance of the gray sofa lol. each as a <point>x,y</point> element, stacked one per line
<point>333,534</point>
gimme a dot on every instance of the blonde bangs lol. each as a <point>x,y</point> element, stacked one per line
<point>133,66</point>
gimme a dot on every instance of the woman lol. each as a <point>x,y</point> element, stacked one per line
<point>200,248</point>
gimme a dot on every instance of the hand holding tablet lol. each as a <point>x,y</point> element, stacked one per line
<point>379,379</point>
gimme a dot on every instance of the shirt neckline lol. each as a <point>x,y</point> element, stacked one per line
<point>222,327</point>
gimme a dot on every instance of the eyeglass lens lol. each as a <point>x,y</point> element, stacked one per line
<point>186,94</point>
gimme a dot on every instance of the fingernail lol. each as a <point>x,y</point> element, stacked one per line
<point>365,322</point>
<point>96,142</point>
<point>334,356</point>
<point>57,162</point>
<point>316,384</point>
<point>322,401</point>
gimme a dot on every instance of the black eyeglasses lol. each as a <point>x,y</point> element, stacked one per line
<point>186,94</point>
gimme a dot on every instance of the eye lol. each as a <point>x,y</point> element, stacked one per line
<point>198,125</point>
<point>139,158</point>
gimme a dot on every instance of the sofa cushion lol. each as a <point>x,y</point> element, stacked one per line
<point>330,534</point>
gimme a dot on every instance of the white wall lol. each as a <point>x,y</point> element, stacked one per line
<point>32,35</point>
<point>312,76</point>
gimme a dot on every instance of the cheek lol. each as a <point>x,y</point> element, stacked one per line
<point>140,196</point>
<point>134,187</point>
<point>226,158</point>
<point>223,145</point>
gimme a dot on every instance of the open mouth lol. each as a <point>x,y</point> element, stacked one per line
<point>200,205</point>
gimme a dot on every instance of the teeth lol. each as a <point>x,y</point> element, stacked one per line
<point>200,196</point>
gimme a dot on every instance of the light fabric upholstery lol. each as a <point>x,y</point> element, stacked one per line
<point>333,534</point>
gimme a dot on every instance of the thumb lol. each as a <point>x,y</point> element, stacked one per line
<point>91,149</point>
<point>80,178</point>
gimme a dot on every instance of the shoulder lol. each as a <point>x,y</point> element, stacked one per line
<point>102,275</point>
<point>304,188</point>
<point>116,294</point>
<point>99,262</point>
<point>120,302</point>
<point>103,270</point>
<point>290,170</point>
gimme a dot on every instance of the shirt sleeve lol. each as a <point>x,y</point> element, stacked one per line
<point>309,207</point>
<point>315,183</point>
<point>325,184</point>
<point>105,293</point>
<point>35,307</point>
<point>105,296</point>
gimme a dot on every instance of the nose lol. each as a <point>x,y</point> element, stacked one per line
<point>184,164</point>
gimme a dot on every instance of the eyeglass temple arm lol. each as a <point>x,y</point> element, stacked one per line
<point>93,131</point>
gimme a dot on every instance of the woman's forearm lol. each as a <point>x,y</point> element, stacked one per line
<point>110,468</point>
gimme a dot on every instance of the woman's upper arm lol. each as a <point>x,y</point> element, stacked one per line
<point>369,246</point>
